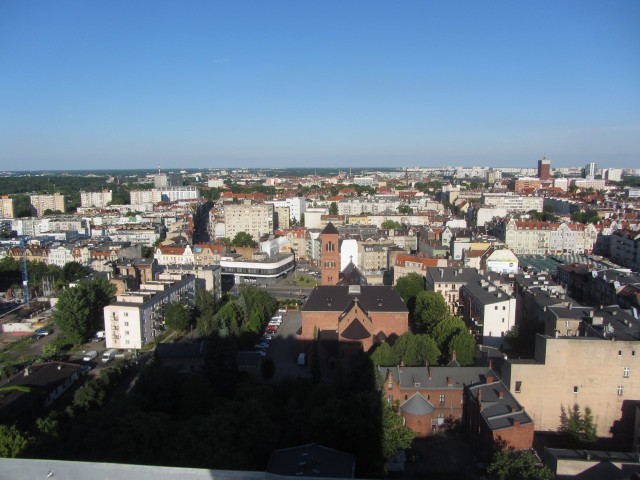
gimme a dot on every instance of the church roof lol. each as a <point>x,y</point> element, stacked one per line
<point>351,275</point>
<point>330,229</point>
<point>417,405</point>
<point>336,298</point>
<point>355,331</point>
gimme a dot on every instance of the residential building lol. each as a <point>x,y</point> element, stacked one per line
<point>261,268</point>
<point>42,203</point>
<point>296,205</point>
<point>208,253</point>
<point>406,264</point>
<point>448,281</point>
<point>488,311</point>
<point>542,238</point>
<point>354,316</point>
<point>174,255</point>
<point>136,317</point>
<point>6,206</point>
<point>96,199</point>
<point>512,202</point>
<point>625,248</point>
<point>145,196</point>
<point>526,184</point>
<point>589,171</point>
<point>596,369</point>
<point>254,219</point>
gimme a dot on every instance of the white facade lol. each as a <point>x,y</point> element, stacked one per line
<point>502,261</point>
<point>96,199</point>
<point>590,183</point>
<point>60,256</point>
<point>175,194</point>
<point>312,216</point>
<point>513,203</point>
<point>145,196</point>
<point>542,238</point>
<point>297,206</point>
<point>41,203</point>
<point>485,215</point>
<point>256,220</point>
<point>135,318</point>
<point>349,253</point>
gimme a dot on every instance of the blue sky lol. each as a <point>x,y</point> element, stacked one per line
<point>127,83</point>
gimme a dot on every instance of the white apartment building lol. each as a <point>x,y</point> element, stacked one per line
<point>60,256</point>
<point>136,317</point>
<point>145,196</point>
<point>312,216</point>
<point>487,310</point>
<point>254,219</point>
<point>297,206</point>
<point>448,281</point>
<point>589,183</point>
<point>543,238</point>
<point>31,227</point>
<point>513,203</point>
<point>136,234</point>
<point>485,215</point>
<point>166,255</point>
<point>96,199</point>
<point>6,206</point>
<point>41,203</point>
<point>215,183</point>
<point>174,194</point>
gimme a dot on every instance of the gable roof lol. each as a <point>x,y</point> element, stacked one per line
<point>355,331</point>
<point>417,405</point>
<point>329,229</point>
<point>336,298</point>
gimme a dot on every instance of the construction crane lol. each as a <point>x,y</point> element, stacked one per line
<point>25,275</point>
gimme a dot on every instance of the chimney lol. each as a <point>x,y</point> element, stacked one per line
<point>490,378</point>
<point>516,424</point>
<point>429,371</point>
<point>453,356</point>
<point>479,396</point>
<point>501,394</point>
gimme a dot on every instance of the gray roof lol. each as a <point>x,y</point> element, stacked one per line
<point>329,229</point>
<point>435,377</point>
<point>500,409</point>
<point>485,292</point>
<point>417,405</point>
<point>311,461</point>
<point>338,298</point>
<point>452,274</point>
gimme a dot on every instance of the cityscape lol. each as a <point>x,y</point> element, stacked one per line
<point>285,239</point>
<point>473,312</point>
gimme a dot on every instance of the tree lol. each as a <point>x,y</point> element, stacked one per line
<point>12,441</point>
<point>508,464</point>
<point>333,208</point>
<point>395,436</point>
<point>242,239</point>
<point>177,316</point>
<point>204,312</point>
<point>385,355</point>
<point>391,224</point>
<point>430,309</point>
<point>578,427</point>
<point>50,350</point>
<point>405,210</point>
<point>446,329</point>
<point>73,271</point>
<point>408,288</point>
<point>464,346</point>
<point>416,350</point>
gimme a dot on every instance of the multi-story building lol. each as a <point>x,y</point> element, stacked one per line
<point>254,219</point>
<point>524,184</point>
<point>137,234</point>
<point>262,268</point>
<point>96,199</point>
<point>60,255</point>
<point>6,206</point>
<point>625,248</point>
<point>596,184</point>
<point>544,169</point>
<point>145,196</point>
<point>136,317</point>
<point>513,203</point>
<point>174,255</point>
<point>448,281</point>
<point>406,264</point>
<point>42,203</point>
<point>542,238</point>
<point>596,369</point>
<point>208,253</point>
<point>282,217</point>
<point>354,316</point>
<point>297,207</point>
<point>175,194</point>
<point>589,171</point>
<point>487,310</point>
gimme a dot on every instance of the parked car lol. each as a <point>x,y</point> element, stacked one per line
<point>271,328</point>
<point>262,346</point>
<point>266,338</point>
<point>90,355</point>
<point>43,331</point>
<point>109,355</point>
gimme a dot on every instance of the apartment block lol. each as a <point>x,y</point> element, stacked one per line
<point>598,369</point>
<point>96,199</point>
<point>41,203</point>
<point>137,317</point>
<point>513,203</point>
<point>254,219</point>
<point>448,281</point>
<point>6,206</point>
<point>543,238</point>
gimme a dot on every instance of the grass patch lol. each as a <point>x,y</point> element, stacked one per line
<point>167,335</point>
<point>304,280</point>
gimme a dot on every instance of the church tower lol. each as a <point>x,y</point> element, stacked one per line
<point>330,255</point>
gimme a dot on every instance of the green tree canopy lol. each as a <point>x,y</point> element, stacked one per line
<point>446,329</point>
<point>408,288</point>
<point>73,271</point>
<point>391,224</point>
<point>79,310</point>
<point>405,210</point>
<point>577,426</point>
<point>522,465</point>
<point>410,349</point>
<point>177,316</point>
<point>333,208</point>
<point>464,345</point>
<point>242,239</point>
<point>395,436</point>
<point>12,441</point>
<point>430,309</point>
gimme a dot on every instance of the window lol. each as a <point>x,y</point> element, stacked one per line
<point>495,308</point>
<point>504,308</point>
<point>620,390</point>
<point>417,385</point>
<point>441,399</point>
<point>633,353</point>
<point>126,324</point>
<point>518,386</point>
<point>576,389</point>
<point>390,385</point>
<point>625,372</point>
<point>619,353</point>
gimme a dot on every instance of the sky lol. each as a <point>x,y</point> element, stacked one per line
<point>240,83</point>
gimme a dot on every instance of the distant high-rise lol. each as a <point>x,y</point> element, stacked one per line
<point>589,171</point>
<point>42,203</point>
<point>6,206</point>
<point>544,169</point>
